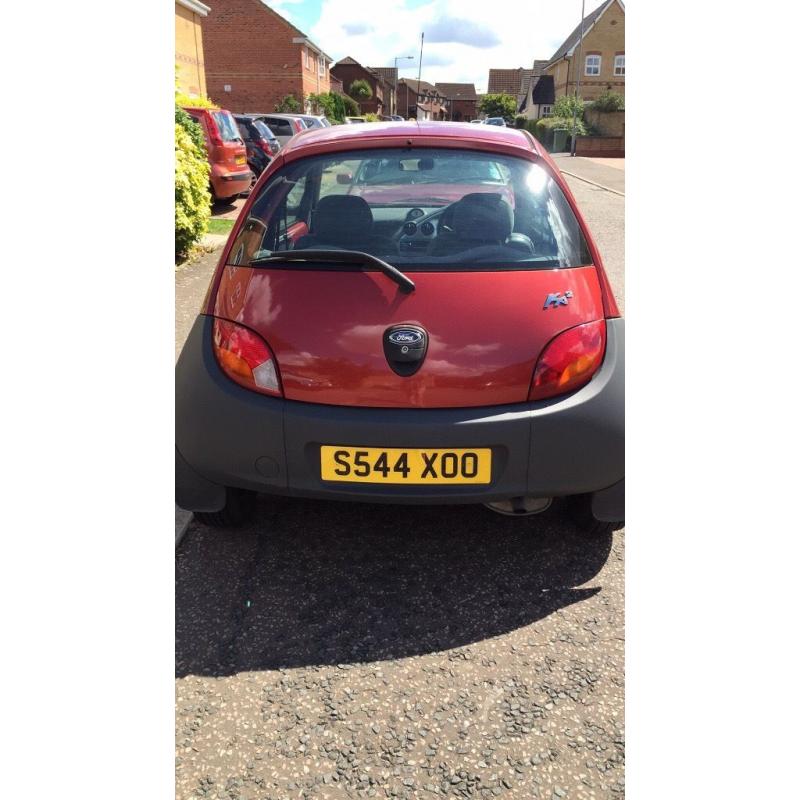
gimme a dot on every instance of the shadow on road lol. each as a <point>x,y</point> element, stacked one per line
<point>327,583</point>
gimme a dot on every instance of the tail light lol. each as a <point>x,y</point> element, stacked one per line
<point>275,145</point>
<point>569,360</point>
<point>264,144</point>
<point>213,132</point>
<point>245,357</point>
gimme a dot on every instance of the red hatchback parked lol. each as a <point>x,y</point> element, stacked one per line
<point>230,175</point>
<point>406,313</point>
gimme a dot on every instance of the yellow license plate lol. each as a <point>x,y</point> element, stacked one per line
<point>240,159</point>
<point>405,465</point>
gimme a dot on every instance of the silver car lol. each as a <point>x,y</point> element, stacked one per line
<point>284,126</point>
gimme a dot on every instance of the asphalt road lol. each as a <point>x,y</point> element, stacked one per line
<point>337,651</point>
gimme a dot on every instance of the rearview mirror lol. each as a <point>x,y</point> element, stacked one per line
<point>344,177</point>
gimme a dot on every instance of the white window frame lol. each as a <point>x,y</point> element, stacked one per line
<point>546,111</point>
<point>598,66</point>
<point>321,67</point>
<point>305,58</point>
<point>619,69</point>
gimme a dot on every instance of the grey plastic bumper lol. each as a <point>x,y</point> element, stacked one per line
<point>229,436</point>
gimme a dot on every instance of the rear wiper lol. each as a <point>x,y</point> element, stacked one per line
<point>339,256</point>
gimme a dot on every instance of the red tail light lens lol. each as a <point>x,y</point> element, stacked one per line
<point>245,358</point>
<point>569,361</point>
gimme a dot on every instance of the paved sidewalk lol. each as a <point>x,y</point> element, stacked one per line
<point>606,172</point>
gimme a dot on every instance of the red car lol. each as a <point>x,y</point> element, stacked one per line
<point>406,313</point>
<point>230,175</point>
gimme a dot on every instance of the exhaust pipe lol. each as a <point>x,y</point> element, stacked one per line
<point>521,506</point>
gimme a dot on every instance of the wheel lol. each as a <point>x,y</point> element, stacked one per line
<point>238,509</point>
<point>580,510</point>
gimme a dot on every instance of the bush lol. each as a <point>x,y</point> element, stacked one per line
<point>370,117</point>
<point>192,128</point>
<point>288,104</point>
<point>499,105</point>
<point>335,106</point>
<point>567,105</point>
<point>520,120</point>
<point>192,198</point>
<point>351,108</point>
<point>182,99</point>
<point>609,101</point>
<point>360,90</point>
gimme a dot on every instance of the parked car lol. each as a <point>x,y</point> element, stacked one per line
<point>284,126</point>
<point>313,121</point>
<point>397,118</point>
<point>496,121</point>
<point>441,347</point>
<point>479,121</point>
<point>353,120</point>
<point>258,140</point>
<point>227,155</point>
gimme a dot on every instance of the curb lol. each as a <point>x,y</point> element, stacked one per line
<point>598,185</point>
<point>182,520</point>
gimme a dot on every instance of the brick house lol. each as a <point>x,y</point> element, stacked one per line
<point>599,60</point>
<point>348,70</point>
<point>539,100</point>
<point>389,75</point>
<point>420,100</point>
<point>463,100</point>
<point>254,57</point>
<point>191,72</point>
<point>515,82</point>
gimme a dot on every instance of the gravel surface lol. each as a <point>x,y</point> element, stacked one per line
<point>336,650</point>
<point>340,651</point>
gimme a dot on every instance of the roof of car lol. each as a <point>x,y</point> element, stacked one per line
<point>485,134</point>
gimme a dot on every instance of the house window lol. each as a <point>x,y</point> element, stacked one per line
<point>547,111</point>
<point>592,65</point>
<point>619,64</point>
<point>321,71</point>
<point>305,57</point>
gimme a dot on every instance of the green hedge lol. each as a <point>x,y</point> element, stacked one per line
<point>192,197</point>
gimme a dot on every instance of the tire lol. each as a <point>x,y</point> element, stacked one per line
<point>238,509</point>
<point>580,511</point>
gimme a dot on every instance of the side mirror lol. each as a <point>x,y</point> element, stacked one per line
<point>344,177</point>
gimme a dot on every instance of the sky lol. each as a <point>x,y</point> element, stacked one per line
<point>463,38</point>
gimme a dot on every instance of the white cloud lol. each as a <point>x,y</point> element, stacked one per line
<point>525,29</point>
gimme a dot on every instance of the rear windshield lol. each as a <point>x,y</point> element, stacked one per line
<point>226,126</point>
<point>262,128</point>
<point>280,127</point>
<point>418,209</point>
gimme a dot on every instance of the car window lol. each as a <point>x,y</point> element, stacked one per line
<point>245,129</point>
<point>422,208</point>
<point>263,129</point>
<point>280,127</point>
<point>226,126</point>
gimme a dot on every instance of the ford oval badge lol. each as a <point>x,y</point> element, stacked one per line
<point>405,336</point>
<point>405,347</point>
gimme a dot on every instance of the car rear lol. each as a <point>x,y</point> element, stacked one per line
<point>497,379</point>
<point>227,154</point>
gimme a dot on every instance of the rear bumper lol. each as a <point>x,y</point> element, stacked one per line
<point>228,436</point>
<point>227,184</point>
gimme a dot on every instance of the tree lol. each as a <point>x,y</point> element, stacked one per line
<point>567,105</point>
<point>335,106</point>
<point>360,90</point>
<point>289,104</point>
<point>499,105</point>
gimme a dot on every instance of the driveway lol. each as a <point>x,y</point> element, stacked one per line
<point>334,650</point>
